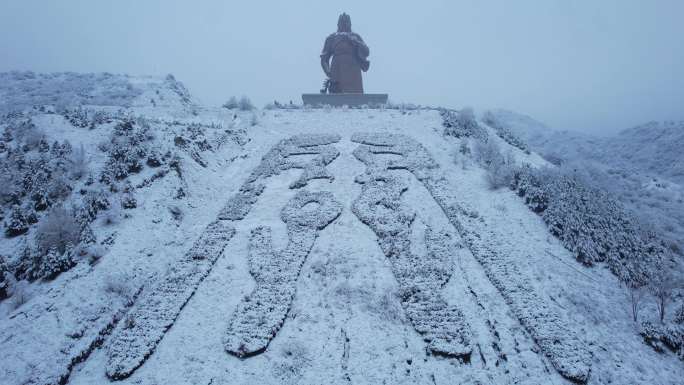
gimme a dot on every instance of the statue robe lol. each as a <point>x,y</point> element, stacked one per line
<point>349,57</point>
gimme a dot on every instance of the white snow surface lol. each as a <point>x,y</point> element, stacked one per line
<point>346,323</point>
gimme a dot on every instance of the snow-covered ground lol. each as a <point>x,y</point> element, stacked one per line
<point>347,321</point>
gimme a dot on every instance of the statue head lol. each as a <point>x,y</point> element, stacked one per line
<point>344,23</point>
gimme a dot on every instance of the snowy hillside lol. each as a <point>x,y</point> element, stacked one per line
<point>653,148</point>
<point>151,243</point>
<point>642,166</point>
<point>25,90</point>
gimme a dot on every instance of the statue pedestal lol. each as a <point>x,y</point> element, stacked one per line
<point>351,100</point>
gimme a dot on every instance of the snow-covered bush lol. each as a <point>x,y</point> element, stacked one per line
<point>86,118</point>
<point>16,223</point>
<point>242,104</point>
<point>663,336</point>
<point>128,201</point>
<point>95,201</point>
<point>245,104</point>
<point>231,104</point>
<point>500,169</point>
<point>504,132</point>
<point>462,124</point>
<point>4,282</point>
<point>679,315</point>
<point>128,149</point>
<point>590,222</point>
<point>56,262</point>
<point>34,175</point>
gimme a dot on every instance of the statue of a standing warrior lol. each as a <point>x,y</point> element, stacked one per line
<point>349,57</point>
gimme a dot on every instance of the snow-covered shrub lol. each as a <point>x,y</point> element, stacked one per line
<point>4,282</point>
<point>500,169</point>
<point>245,104</point>
<point>95,201</point>
<point>590,222</point>
<point>462,124</point>
<point>664,335</point>
<point>34,177</point>
<point>57,231</point>
<point>16,223</point>
<point>129,144</point>
<point>154,157</point>
<point>231,104</point>
<point>56,262</point>
<point>82,117</point>
<point>504,132</point>
<point>128,201</point>
<point>679,315</point>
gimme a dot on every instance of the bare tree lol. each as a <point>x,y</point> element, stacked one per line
<point>662,285</point>
<point>57,230</point>
<point>636,295</point>
<point>79,163</point>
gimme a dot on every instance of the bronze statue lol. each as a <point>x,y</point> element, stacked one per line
<point>349,57</point>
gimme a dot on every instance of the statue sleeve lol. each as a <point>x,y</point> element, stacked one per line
<point>362,48</point>
<point>327,49</point>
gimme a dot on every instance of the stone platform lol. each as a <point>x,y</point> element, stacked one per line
<point>351,100</point>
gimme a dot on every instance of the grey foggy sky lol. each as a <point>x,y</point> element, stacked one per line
<point>593,66</point>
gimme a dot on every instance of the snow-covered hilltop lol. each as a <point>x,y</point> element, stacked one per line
<point>149,239</point>
<point>654,148</point>
<point>25,90</point>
